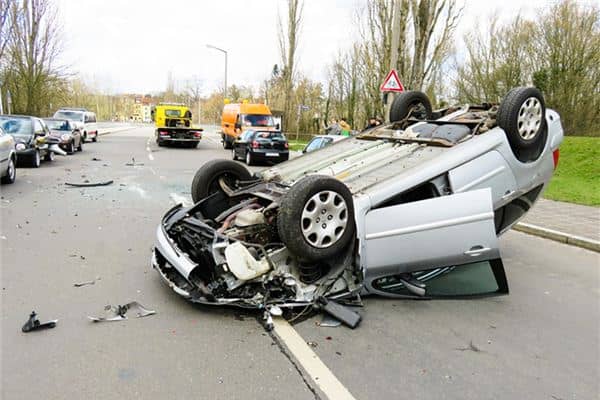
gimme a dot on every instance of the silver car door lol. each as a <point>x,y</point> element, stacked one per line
<point>443,231</point>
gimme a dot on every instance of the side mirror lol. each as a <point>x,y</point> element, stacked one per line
<point>277,126</point>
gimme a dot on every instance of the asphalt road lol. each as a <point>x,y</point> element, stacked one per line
<point>540,342</point>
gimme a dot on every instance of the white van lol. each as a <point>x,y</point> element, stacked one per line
<point>85,120</point>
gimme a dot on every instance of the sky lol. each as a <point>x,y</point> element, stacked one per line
<point>131,46</point>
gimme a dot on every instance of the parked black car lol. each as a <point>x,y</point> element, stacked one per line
<point>28,133</point>
<point>68,133</point>
<point>267,146</point>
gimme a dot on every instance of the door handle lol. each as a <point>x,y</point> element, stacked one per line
<point>476,250</point>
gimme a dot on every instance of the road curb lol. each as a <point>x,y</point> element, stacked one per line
<point>558,236</point>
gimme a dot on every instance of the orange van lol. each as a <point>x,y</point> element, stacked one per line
<point>239,117</point>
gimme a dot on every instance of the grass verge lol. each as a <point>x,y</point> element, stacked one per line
<point>577,178</point>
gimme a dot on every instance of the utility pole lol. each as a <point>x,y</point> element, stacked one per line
<point>210,46</point>
<point>393,53</point>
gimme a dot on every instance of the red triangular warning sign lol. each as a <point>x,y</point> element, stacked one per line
<point>392,83</point>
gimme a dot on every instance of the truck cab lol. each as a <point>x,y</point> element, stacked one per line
<point>174,125</point>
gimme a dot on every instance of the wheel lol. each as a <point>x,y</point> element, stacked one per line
<point>84,137</point>
<point>413,103</point>
<point>80,147</point>
<point>249,160</point>
<point>49,156</point>
<point>226,143</point>
<point>35,160</point>
<point>71,148</point>
<point>206,180</point>
<point>11,172</point>
<point>193,145</point>
<point>233,156</point>
<point>316,218</point>
<point>522,117</point>
<point>95,138</point>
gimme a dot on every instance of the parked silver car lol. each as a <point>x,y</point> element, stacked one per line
<point>411,209</point>
<point>8,158</point>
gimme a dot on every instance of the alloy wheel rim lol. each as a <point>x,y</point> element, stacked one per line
<point>529,118</point>
<point>324,219</point>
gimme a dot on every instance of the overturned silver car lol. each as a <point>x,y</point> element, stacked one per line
<point>412,209</point>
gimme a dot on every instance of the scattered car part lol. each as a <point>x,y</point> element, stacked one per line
<point>33,324</point>
<point>90,184</point>
<point>340,312</point>
<point>118,313</point>
<point>80,284</point>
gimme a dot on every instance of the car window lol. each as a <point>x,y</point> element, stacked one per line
<point>247,135</point>
<point>326,141</point>
<point>70,115</point>
<point>479,278</point>
<point>257,120</point>
<point>314,144</point>
<point>38,128</point>
<point>58,125</point>
<point>16,126</point>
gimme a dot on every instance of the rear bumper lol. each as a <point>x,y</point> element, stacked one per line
<point>264,155</point>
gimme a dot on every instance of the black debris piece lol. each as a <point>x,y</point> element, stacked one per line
<point>80,284</point>
<point>34,324</point>
<point>96,159</point>
<point>89,184</point>
<point>133,163</point>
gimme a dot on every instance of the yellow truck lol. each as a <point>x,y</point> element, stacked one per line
<point>174,125</point>
<point>239,117</point>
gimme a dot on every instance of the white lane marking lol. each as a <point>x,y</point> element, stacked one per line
<point>312,364</point>
<point>150,157</point>
<point>143,194</point>
<point>179,199</point>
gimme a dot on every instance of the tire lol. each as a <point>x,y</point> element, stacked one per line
<point>295,219</point>
<point>206,179</point>
<point>84,137</point>
<point>80,147</point>
<point>411,102</point>
<point>249,160</point>
<point>71,148</point>
<point>233,156</point>
<point>95,138</point>
<point>35,160</point>
<point>11,172</point>
<point>49,156</point>
<point>522,116</point>
<point>193,145</point>
<point>226,143</point>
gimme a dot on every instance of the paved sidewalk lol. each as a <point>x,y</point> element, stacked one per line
<point>570,223</point>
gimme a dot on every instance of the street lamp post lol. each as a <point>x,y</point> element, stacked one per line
<point>210,46</point>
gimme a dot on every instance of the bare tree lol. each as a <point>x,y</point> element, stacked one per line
<point>288,44</point>
<point>32,76</point>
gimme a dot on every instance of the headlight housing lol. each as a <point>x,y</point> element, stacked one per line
<point>20,146</point>
<point>65,136</point>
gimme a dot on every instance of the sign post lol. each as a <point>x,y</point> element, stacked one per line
<point>391,84</point>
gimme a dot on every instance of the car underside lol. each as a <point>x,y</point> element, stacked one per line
<point>350,219</point>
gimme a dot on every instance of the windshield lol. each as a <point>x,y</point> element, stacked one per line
<point>70,115</point>
<point>269,135</point>
<point>257,120</point>
<point>172,113</point>
<point>57,125</point>
<point>16,126</point>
